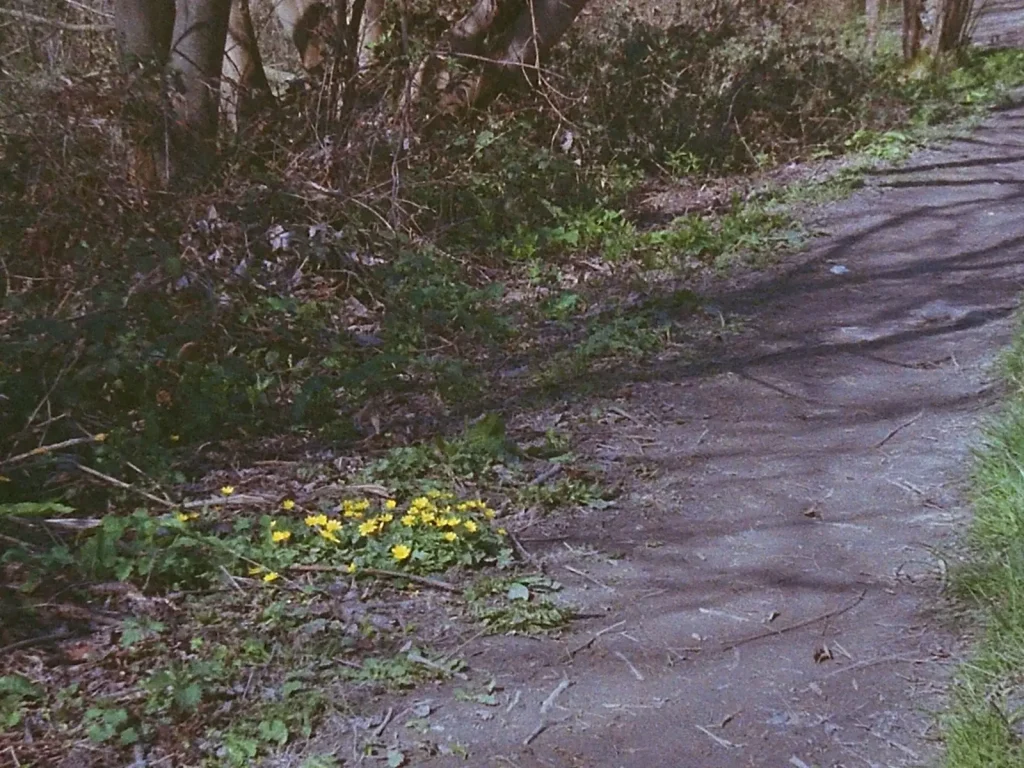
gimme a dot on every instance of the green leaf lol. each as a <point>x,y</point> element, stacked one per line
<point>274,731</point>
<point>20,687</point>
<point>396,758</point>
<point>484,139</point>
<point>35,509</point>
<point>518,591</point>
<point>188,698</point>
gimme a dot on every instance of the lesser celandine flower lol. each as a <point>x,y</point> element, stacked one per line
<point>287,505</point>
<point>390,504</point>
<point>314,520</point>
<point>281,535</point>
<point>451,536</point>
<point>227,490</point>
<point>272,576</point>
<point>470,526</point>
<point>400,552</point>
<point>351,568</point>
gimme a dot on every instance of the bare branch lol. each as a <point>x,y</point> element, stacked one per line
<point>64,25</point>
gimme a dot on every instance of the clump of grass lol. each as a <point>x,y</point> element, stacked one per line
<point>982,727</point>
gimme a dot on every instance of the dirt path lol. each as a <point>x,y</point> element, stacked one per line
<point>807,475</point>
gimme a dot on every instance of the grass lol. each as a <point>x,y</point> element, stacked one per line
<point>982,728</point>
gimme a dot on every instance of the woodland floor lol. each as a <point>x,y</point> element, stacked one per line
<point>768,590</point>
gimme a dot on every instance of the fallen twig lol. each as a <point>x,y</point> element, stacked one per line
<point>421,659</point>
<point>628,663</point>
<point>902,426</point>
<point>547,474</point>
<point>42,450</point>
<point>422,580</point>
<point>126,486</point>
<point>384,723</point>
<point>544,707</point>
<point>550,700</point>
<point>588,577</point>
<point>773,632</point>
<point>587,643</point>
<point>235,500</point>
<point>523,553</point>
<point>718,740</point>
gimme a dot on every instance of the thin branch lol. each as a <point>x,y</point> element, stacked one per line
<point>87,9</point>
<point>126,486</point>
<point>45,449</point>
<point>64,25</point>
<point>422,580</point>
<point>773,632</point>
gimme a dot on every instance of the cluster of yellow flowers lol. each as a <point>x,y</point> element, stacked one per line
<point>432,511</point>
<point>327,528</point>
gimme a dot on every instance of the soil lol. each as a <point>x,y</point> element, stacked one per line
<point>769,590</point>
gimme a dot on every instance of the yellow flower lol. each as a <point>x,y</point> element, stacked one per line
<point>281,536</point>
<point>227,490</point>
<point>400,551</point>
<point>332,525</point>
<point>329,536</point>
<point>470,526</point>
<point>489,513</point>
<point>386,518</point>
<point>408,520</point>
<point>315,520</point>
<point>100,437</point>
<point>181,517</point>
<point>175,438</point>
<point>390,504</point>
<point>502,532</point>
<point>255,569</point>
<point>351,568</point>
<point>368,528</point>
<point>451,536</point>
<point>287,505</point>
<point>272,576</point>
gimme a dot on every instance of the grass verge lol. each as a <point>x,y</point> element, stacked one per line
<point>983,727</point>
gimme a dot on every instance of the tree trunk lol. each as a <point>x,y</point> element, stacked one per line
<point>301,19</point>
<point>911,29</point>
<point>244,86</point>
<point>950,25</point>
<point>197,55</point>
<point>872,17</point>
<point>372,31</point>
<point>144,30</point>
<point>539,26</point>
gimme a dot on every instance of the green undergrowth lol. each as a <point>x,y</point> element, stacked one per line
<point>345,309</point>
<point>244,619</point>
<point>982,727</point>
